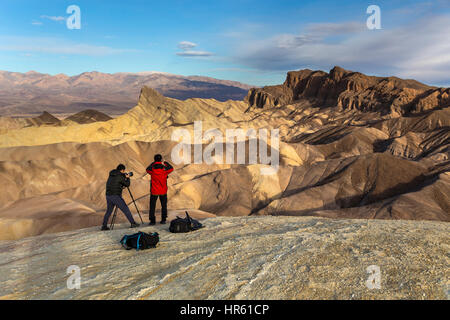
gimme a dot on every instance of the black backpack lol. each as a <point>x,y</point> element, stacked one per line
<point>180,225</point>
<point>140,241</point>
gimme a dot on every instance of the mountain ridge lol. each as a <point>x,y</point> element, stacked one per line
<point>352,90</point>
<point>113,94</point>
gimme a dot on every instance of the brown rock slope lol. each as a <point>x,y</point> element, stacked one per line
<point>88,116</point>
<point>382,159</point>
<point>352,90</point>
<point>47,119</point>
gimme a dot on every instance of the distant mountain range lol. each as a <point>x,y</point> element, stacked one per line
<point>31,93</point>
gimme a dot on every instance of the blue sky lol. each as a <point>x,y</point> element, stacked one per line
<point>254,42</point>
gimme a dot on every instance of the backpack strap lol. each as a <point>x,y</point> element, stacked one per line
<point>189,220</point>
<point>137,241</point>
<point>123,242</point>
<point>124,239</point>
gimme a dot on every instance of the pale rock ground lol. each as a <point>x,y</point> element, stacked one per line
<point>237,258</point>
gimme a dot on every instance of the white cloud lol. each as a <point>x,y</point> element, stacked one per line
<point>55,46</point>
<point>187,47</point>
<point>54,18</point>
<point>191,53</point>
<point>234,69</point>
<point>420,50</point>
<point>330,29</point>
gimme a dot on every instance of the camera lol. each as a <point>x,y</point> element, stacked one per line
<point>130,174</point>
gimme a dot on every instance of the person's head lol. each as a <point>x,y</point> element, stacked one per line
<point>158,157</point>
<point>121,168</point>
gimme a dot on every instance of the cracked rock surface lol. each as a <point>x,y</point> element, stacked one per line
<point>260,257</point>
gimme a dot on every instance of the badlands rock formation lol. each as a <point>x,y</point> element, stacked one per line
<point>352,90</point>
<point>351,146</point>
<point>237,258</point>
<point>46,119</point>
<point>88,116</point>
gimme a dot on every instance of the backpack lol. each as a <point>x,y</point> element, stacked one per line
<point>180,225</point>
<point>140,241</point>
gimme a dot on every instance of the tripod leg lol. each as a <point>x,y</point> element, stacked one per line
<point>113,220</point>
<point>132,198</point>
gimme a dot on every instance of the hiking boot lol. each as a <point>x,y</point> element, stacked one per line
<point>163,222</point>
<point>134,225</point>
<point>105,228</point>
<point>151,223</point>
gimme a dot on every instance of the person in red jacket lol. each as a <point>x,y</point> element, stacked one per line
<point>158,171</point>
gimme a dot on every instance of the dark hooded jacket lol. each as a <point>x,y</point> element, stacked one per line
<point>116,182</point>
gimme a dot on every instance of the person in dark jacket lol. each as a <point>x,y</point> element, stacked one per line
<point>117,180</point>
<point>158,170</point>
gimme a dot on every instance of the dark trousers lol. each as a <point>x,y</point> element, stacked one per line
<point>163,200</point>
<point>116,201</point>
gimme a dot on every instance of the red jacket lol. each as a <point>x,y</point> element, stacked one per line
<point>159,172</point>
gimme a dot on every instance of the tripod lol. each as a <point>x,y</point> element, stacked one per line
<point>113,220</point>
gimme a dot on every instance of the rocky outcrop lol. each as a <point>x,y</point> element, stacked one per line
<point>88,116</point>
<point>14,123</point>
<point>237,258</point>
<point>46,118</point>
<point>349,90</point>
<point>269,96</point>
